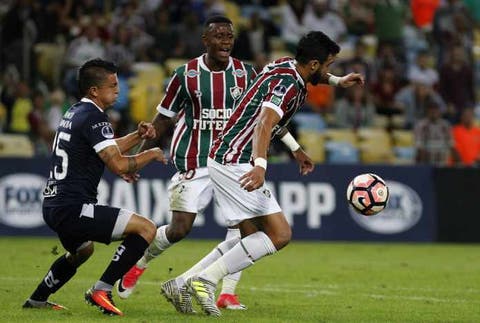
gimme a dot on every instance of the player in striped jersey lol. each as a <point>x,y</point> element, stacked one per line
<point>201,95</point>
<point>270,101</point>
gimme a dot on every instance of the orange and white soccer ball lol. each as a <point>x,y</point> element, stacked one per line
<point>367,194</point>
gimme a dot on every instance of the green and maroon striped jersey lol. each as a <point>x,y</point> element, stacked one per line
<point>203,100</point>
<point>278,87</point>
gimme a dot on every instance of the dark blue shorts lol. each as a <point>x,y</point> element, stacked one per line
<point>77,224</point>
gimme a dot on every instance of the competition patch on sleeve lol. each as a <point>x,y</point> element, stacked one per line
<point>280,90</point>
<point>276,100</point>
<point>107,132</point>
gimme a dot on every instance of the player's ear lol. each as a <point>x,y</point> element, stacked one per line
<point>314,66</point>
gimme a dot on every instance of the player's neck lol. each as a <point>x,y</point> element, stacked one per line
<point>214,65</point>
<point>302,70</point>
<point>97,102</point>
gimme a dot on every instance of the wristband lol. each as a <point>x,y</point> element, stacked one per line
<point>333,80</point>
<point>262,162</point>
<point>290,142</point>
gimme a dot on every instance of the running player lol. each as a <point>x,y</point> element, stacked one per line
<point>84,143</point>
<point>271,100</point>
<point>201,94</point>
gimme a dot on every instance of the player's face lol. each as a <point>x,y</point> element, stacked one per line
<point>107,92</point>
<point>218,39</point>
<point>318,69</point>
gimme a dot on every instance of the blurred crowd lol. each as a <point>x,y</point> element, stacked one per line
<point>421,59</point>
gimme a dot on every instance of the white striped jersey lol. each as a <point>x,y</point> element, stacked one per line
<point>203,101</point>
<point>279,87</point>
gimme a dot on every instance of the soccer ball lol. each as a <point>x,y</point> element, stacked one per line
<point>367,194</point>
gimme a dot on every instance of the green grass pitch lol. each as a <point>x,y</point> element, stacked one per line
<point>306,282</point>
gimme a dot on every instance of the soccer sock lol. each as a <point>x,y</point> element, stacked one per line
<point>241,256</point>
<point>159,245</point>
<point>216,253</point>
<point>229,282</point>
<point>127,254</point>
<point>60,272</point>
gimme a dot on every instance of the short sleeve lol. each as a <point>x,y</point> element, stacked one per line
<point>98,132</point>
<point>279,94</point>
<point>172,102</point>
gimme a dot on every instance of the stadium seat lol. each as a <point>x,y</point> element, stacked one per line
<point>313,143</point>
<point>341,153</point>
<point>404,155</point>
<point>16,146</point>
<point>341,135</point>
<point>403,138</point>
<point>172,63</point>
<point>309,121</point>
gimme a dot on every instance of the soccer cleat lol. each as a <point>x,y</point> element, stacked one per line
<point>230,302</point>
<point>103,300</point>
<point>204,293</point>
<point>46,304</point>
<point>127,283</point>
<point>179,297</point>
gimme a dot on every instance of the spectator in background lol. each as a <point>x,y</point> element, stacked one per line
<point>355,110</point>
<point>42,135</point>
<point>292,15</point>
<point>422,70</point>
<point>22,106</point>
<point>457,83</point>
<point>414,99</point>
<point>433,138</point>
<point>384,91</point>
<point>358,63</point>
<point>466,136</point>
<point>165,36</point>
<point>191,41</point>
<point>81,49</point>
<point>253,38</point>
<point>423,12</point>
<point>56,110</point>
<point>319,17</point>
<point>389,21</point>
<point>359,18</point>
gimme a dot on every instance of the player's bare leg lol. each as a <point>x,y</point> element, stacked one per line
<point>139,232</point>
<point>274,234</point>
<point>166,236</point>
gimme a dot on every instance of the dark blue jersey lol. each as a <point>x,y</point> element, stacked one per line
<point>76,168</point>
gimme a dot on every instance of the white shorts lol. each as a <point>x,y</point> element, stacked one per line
<point>230,196</point>
<point>190,191</point>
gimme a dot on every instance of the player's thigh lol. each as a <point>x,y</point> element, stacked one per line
<point>236,203</point>
<point>76,225</point>
<point>191,191</point>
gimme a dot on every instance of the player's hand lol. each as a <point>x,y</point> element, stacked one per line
<point>351,79</point>
<point>159,155</point>
<point>146,130</point>
<point>130,178</point>
<point>253,179</point>
<point>304,161</point>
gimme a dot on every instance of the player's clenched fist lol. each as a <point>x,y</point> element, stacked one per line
<point>146,130</point>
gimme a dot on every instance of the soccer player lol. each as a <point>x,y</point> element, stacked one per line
<point>201,94</point>
<point>270,101</point>
<point>84,143</point>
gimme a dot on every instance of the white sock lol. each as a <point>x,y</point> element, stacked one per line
<point>229,282</point>
<point>241,256</point>
<point>158,245</point>
<point>216,253</point>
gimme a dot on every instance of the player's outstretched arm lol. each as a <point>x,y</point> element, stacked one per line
<point>261,139</point>
<point>344,81</point>
<point>145,130</point>
<point>122,165</point>
<point>304,161</point>
<point>161,123</point>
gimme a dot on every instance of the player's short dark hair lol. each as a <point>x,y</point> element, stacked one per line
<point>93,73</point>
<point>217,19</point>
<point>315,45</point>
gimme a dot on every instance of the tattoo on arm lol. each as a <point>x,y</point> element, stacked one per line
<point>132,164</point>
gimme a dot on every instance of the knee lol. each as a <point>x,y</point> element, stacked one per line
<point>149,231</point>
<point>81,256</point>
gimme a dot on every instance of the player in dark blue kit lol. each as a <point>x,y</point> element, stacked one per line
<point>84,143</point>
